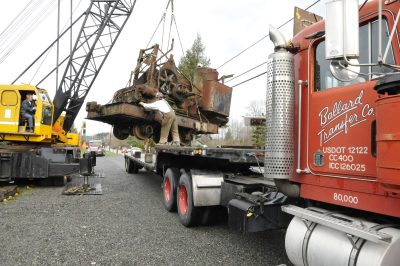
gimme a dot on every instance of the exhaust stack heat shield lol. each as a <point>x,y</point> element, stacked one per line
<point>279,150</point>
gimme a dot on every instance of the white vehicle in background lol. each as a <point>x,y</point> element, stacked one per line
<point>133,150</point>
<point>97,146</point>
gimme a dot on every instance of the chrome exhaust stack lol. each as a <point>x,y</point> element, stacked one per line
<point>279,149</point>
<point>277,38</point>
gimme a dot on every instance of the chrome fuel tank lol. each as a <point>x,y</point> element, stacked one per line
<point>312,244</point>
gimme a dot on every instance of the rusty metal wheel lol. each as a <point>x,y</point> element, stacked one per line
<point>167,81</point>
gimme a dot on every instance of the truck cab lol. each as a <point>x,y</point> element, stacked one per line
<point>336,115</point>
<point>332,134</point>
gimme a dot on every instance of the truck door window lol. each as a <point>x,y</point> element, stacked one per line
<point>374,47</point>
<point>323,78</point>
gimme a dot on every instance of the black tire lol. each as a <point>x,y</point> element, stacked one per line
<point>60,181</point>
<point>127,165</point>
<point>135,167</point>
<point>121,133</point>
<point>189,215</point>
<point>131,167</point>
<point>46,182</point>
<point>169,187</point>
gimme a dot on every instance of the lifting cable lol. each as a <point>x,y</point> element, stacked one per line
<point>179,37</point>
<point>63,30</point>
<point>263,38</point>
<point>163,20</point>
<point>159,23</point>
<point>12,29</point>
<point>13,24</point>
<point>21,36</point>
<point>163,30</point>
<point>46,51</point>
<point>172,23</point>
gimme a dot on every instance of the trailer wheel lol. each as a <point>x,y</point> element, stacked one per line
<point>189,215</point>
<point>46,182</point>
<point>60,181</point>
<point>131,167</point>
<point>135,167</point>
<point>170,182</point>
<point>127,161</point>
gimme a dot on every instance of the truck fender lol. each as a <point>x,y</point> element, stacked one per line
<point>206,188</point>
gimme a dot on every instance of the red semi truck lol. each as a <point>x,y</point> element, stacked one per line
<point>331,162</point>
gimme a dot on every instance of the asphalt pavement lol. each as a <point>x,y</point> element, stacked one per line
<point>127,225</point>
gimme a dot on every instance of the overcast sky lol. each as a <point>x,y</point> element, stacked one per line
<point>226,27</point>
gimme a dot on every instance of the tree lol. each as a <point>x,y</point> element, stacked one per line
<point>257,108</point>
<point>134,142</point>
<point>193,57</point>
<point>228,135</point>
<point>258,136</point>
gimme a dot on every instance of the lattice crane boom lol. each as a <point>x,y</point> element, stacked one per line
<point>102,25</point>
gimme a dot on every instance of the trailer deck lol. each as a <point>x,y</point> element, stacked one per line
<point>197,157</point>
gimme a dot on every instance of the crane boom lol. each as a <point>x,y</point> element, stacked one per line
<point>103,23</point>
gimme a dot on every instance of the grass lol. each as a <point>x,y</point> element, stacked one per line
<point>110,153</point>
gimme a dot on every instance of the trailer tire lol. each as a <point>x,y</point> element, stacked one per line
<point>130,167</point>
<point>45,182</point>
<point>60,181</point>
<point>127,165</point>
<point>189,215</point>
<point>135,167</point>
<point>169,186</point>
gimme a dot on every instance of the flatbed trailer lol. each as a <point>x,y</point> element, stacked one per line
<point>198,181</point>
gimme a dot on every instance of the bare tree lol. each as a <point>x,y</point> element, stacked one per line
<point>256,108</point>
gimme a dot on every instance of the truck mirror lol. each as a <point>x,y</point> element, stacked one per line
<point>342,71</point>
<point>341,29</point>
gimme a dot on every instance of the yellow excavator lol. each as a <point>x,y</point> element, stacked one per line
<point>49,151</point>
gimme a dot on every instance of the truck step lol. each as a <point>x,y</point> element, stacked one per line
<point>349,227</point>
